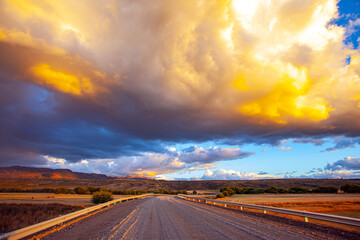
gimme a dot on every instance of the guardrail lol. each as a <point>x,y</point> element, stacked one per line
<point>27,231</point>
<point>304,214</point>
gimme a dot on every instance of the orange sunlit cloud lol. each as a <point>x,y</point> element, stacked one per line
<point>62,81</point>
<point>253,47</point>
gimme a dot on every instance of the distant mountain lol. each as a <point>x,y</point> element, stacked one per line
<point>135,177</point>
<point>48,173</point>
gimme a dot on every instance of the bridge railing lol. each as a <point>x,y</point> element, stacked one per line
<point>304,214</point>
<point>27,231</point>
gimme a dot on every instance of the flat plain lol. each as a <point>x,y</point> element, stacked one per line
<point>46,198</point>
<point>291,198</point>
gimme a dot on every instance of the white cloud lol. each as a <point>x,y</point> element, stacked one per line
<point>348,163</point>
<point>222,174</point>
<point>154,164</point>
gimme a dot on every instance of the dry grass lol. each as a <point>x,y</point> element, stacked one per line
<point>321,207</point>
<point>15,216</point>
<point>347,205</point>
<point>338,204</point>
<point>47,198</point>
<point>291,198</point>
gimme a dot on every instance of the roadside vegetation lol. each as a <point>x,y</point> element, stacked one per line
<point>101,197</point>
<point>229,191</point>
<point>90,190</point>
<point>15,216</point>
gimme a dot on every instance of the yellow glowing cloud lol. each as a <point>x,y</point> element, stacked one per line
<point>288,98</point>
<point>277,61</point>
<point>61,81</point>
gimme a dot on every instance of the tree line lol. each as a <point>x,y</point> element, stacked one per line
<point>229,191</point>
<point>90,190</point>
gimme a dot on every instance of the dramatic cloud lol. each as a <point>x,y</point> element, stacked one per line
<point>153,164</point>
<point>85,80</point>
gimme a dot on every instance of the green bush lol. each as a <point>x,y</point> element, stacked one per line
<point>329,189</point>
<point>272,190</point>
<point>282,190</point>
<point>220,195</point>
<point>226,193</point>
<point>350,188</point>
<point>260,190</point>
<point>249,190</point>
<point>80,190</point>
<point>228,190</point>
<point>299,190</point>
<point>61,191</point>
<point>101,197</point>
<point>238,190</point>
<point>194,192</point>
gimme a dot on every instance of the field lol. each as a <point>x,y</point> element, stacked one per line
<point>18,210</point>
<point>292,198</point>
<point>338,204</point>
<point>46,198</point>
<point>15,216</point>
<point>347,205</point>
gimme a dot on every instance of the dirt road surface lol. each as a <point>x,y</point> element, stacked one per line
<point>168,217</point>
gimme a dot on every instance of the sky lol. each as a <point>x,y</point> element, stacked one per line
<point>182,90</point>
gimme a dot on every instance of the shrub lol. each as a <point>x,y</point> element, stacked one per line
<point>226,193</point>
<point>237,190</point>
<point>350,188</point>
<point>282,190</point>
<point>329,189</point>
<point>299,190</point>
<point>220,195</point>
<point>194,192</point>
<point>259,190</point>
<point>92,189</point>
<point>272,190</point>
<point>101,197</point>
<point>228,190</point>
<point>249,190</point>
<point>61,191</point>
<point>80,190</point>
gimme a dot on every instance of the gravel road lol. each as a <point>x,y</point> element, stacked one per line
<point>168,217</point>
